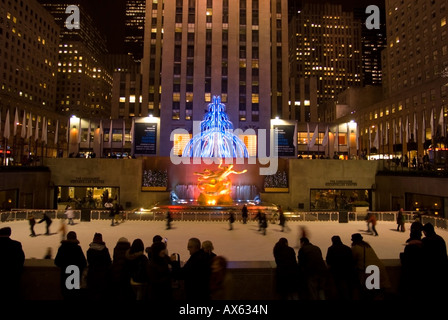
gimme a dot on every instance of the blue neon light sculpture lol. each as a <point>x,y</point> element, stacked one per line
<point>216,139</point>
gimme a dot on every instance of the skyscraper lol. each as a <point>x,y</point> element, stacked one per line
<point>373,41</point>
<point>325,43</point>
<point>194,50</point>
<point>413,113</point>
<point>134,28</point>
<point>84,83</point>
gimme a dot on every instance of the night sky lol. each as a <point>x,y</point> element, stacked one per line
<point>110,15</point>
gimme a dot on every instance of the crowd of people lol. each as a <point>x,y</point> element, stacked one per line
<point>345,275</point>
<point>131,271</point>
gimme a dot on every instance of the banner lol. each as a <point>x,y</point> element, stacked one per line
<point>286,140</point>
<point>145,138</point>
<point>315,134</point>
<point>325,140</point>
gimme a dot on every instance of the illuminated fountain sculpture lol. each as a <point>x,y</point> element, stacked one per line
<point>215,185</point>
<point>216,139</point>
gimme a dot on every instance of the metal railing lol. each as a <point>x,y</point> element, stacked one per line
<point>216,215</point>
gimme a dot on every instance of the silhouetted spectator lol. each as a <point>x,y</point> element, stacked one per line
<point>120,279</point>
<point>12,259</point>
<point>436,260</point>
<point>221,285</point>
<point>364,256</point>
<point>208,248</point>
<point>99,262</point>
<point>412,283</point>
<point>195,272</point>
<point>137,264</point>
<point>159,274</point>
<point>313,270</point>
<point>416,229</point>
<point>286,272</point>
<point>341,268</point>
<point>156,238</point>
<point>70,253</point>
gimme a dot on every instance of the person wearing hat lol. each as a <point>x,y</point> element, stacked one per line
<point>364,256</point>
<point>12,258</point>
<point>70,253</point>
<point>99,262</point>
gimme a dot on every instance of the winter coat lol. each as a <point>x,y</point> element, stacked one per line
<point>196,274</point>
<point>12,258</point>
<point>364,256</point>
<point>287,269</point>
<point>412,262</point>
<point>120,277</point>
<point>310,260</point>
<point>159,279</point>
<point>99,263</point>
<point>70,213</point>
<point>137,265</point>
<point>69,253</point>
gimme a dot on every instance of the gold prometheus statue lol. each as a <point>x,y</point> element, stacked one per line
<point>215,185</point>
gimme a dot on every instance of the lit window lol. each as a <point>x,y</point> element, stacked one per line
<point>250,141</point>
<point>180,141</point>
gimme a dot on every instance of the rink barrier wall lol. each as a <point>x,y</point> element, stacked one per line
<point>219,216</point>
<point>251,280</point>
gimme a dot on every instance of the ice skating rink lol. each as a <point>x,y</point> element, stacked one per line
<point>243,243</point>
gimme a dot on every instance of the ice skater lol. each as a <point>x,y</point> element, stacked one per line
<point>244,214</point>
<point>231,220</point>
<point>32,222</point>
<point>48,222</point>
<point>263,223</point>
<point>70,213</point>
<point>169,219</point>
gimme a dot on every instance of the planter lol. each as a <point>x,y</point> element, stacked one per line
<point>153,188</point>
<point>276,189</point>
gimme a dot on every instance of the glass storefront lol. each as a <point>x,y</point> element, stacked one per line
<point>86,197</point>
<point>339,199</point>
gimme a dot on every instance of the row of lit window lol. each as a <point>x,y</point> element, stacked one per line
<point>181,140</point>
